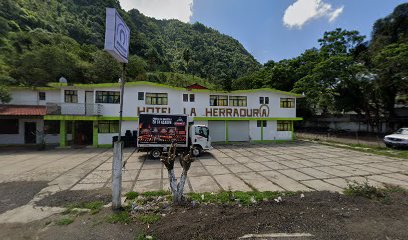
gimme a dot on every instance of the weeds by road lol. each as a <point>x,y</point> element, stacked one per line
<point>389,152</point>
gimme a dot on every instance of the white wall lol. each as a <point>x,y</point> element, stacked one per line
<point>106,138</point>
<point>19,138</point>
<point>271,132</point>
<point>254,131</point>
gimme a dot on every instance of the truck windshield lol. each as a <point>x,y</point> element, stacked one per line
<point>201,131</point>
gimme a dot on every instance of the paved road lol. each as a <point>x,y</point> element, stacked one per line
<point>297,166</point>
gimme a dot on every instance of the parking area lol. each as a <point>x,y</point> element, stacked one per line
<point>299,166</point>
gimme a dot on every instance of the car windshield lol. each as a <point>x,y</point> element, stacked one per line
<point>402,131</point>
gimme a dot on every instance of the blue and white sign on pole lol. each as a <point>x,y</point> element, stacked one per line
<point>117,36</point>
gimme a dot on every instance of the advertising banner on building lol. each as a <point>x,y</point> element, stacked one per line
<point>117,36</point>
<point>162,129</point>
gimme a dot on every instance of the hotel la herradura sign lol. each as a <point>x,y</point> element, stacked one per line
<point>262,111</point>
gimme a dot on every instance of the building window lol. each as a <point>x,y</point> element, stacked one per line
<point>263,100</point>
<point>284,126</point>
<point>8,126</point>
<point>240,101</point>
<point>156,98</point>
<point>218,100</point>
<point>107,97</point>
<point>187,97</point>
<point>71,96</point>
<point>140,96</point>
<point>41,96</point>
<point>287,102</point>
<point>108,126</point>
<point>261,123</point>
<point>51,127</point>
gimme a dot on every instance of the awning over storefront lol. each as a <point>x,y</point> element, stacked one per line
<point>22,110</point>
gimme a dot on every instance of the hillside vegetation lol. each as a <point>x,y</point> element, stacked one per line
<point>44,40</point>
<point>347,73</point>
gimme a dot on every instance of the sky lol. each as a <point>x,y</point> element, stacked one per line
<point>272,29</point>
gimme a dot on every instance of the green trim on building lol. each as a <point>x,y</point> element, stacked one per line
<point>104,145</point>
<point>73,131</point>
<point>63,134</point>
<point>86,118</point>
<point>70,118</point>
<point>95,133</point>
<point>52,86</point>
<point>271,141</point>
<point>245,119</point>
<point>117,118</point>
<point>293,132</point>
<point>262,131</point>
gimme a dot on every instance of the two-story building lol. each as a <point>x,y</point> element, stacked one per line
<point>88,114</point>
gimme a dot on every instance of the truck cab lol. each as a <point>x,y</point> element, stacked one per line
<point>199,139</point>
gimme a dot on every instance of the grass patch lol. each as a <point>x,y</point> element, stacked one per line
<point>389,152</point>
<point>148,218</point>
<point>245,198</point>
<point>120,217</point>
<point>155,193</point>
<point>65,221</point>
<point>94,206</point>
<point>145,237</point>
<point>356,189</point>
<point>131,195</point>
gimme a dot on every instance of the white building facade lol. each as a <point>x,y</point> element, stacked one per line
<point>88,114</point>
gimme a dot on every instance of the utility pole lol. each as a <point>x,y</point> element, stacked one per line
<point>117,37</point>
<point>118,153</point>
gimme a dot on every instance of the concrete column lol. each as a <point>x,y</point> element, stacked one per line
<point>226,131</point>
<point>63,134</point>
<point>95,134</point>
<point>117,175</point>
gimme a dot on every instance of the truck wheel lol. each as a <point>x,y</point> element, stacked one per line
<point>155,153</point>
<point>196,151</point>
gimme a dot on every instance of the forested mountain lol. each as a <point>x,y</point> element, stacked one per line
<point>41,40</point>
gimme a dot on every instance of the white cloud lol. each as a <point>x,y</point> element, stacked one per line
<point>302,11</point>
<point>162,9</point>
<point>335,14</point>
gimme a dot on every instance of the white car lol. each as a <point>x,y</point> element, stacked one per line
<point>397,139</point>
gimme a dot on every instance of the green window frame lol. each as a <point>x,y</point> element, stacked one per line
<point>218,100</point>
<point>156,99</point>
<point>111,126</point>
<point>71,96</point>
<point>287,103</point>
<point>107,97</point>
<point>284,126</point>
<point>261,123</point>
<point>238,101</point>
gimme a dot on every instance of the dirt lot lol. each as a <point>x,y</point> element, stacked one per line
<point>322,214</point>
<point>16,194</point>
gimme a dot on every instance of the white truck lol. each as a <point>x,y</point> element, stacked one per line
<point>157,131</point>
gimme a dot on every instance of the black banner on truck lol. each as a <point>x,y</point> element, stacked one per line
<point>162,129</point>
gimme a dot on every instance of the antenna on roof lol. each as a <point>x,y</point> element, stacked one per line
<point>62,80</point>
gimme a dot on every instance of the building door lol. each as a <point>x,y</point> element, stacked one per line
<point>217,131</point>
<point>83,133</point>
<point>30,132</point>
<point>238,131</point>
<point>89,103</point>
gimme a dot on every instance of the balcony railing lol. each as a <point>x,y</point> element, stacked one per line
<point>84,109</point>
